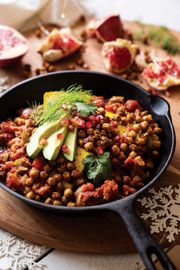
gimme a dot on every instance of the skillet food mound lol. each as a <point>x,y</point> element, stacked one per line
<point>77,149</point>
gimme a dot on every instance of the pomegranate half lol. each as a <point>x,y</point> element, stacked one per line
<point>12,46</point>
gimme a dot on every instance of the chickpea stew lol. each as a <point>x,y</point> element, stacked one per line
<point>77,149</point>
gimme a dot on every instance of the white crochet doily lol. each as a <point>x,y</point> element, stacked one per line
<point>18,254</point>
<point>162,211</point>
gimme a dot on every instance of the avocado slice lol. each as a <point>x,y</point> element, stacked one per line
<point>44,131</point>
<point>53,146</point>
<point>71,142</point>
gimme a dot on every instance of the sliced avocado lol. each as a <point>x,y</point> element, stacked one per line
<point>34,147</point>
<point>71,142</point>
<point>53,146</point>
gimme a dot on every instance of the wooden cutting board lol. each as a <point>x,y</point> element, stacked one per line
<point>104,233</point>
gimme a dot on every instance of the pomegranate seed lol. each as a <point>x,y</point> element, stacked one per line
<point>117,138</point>
<point>113,124</point>
<point>65,148</point>
<point>100,150</point>
<point>99,118</point>
<point>89,124</point>
<point>70,128</point>
<point>59,136</point>
<point>92,117</point>
<point>82,124</point>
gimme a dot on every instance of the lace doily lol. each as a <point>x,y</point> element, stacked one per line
<point>18,254</point>
<point>161,209</point>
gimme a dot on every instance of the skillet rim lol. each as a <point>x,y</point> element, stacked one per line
<point>109,205</point>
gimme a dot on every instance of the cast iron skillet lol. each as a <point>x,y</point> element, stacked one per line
<point>106,85</point>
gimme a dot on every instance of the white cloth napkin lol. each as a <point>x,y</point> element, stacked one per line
<point>25,14</point>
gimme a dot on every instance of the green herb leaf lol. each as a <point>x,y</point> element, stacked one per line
<point>165,39</point>
<point>97,168</point>
<point>53,111</point>
<point>85,109</point>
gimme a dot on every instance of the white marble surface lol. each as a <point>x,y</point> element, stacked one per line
<point>163,12</point>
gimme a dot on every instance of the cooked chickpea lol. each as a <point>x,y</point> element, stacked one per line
<point>29,182</point>
<point>123,146</point>
<point>68,193</point>
<point>129,139</point>
<point>136,128</point>
<point>57,202</point>
<point>47,168</point>
<point>71,204</point>
<point>80,142</point>
<point>27,189</point>
<point>59,186</point>
<point>132,154</point>
<point>157,130</point>
<point>138,119</point>
<point>155,154</point>
<point>62,168</point>
<point>80,181</point>
<point>144,125</point>
<point>90,131</point>
<point>140,141</point>
<point>89,146</point>
<point>67,176</point>
<point>81,134</point>
<point>126,179</point>
<point>156,144</point>
<point>29,123</point>
<point>58,177</point>
<point>67,185</point>
<point>30,195</point>
<point>70,166</point>
<point>34,173</point>
<point>64,200</point>
<point>60,160</point>
<point>48,201</point>
<point>132,134</point>
<point>20,121</point>
<point>101,110</point>
<point>76,174</point>
<point>106,126</point>
<point>115,149</point>
<point>43,175</point>
<point>143,113</point>
<point>51,181</point>
<point>56,195</point>
<point>37,198</point>
<point>133,147</point>
<point>148,118</point>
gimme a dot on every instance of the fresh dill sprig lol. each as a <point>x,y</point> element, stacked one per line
<point>37,111</point>
<point>53,111</point>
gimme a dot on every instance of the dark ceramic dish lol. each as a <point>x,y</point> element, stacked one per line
<point>105,85</point>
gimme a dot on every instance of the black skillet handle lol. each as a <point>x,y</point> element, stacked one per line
<point>145,243</point>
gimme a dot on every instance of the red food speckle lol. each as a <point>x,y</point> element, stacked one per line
<point>131,105</point>
<point>65,148</point>
<point>59,136</point>
<point>39,162</point>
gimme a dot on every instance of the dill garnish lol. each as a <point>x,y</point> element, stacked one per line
<point>37,111</point>
<point>53,111</point>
